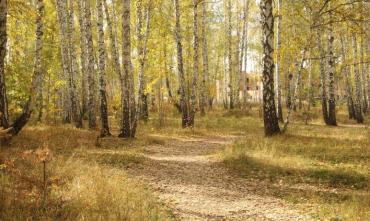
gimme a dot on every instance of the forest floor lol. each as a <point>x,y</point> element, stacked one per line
<point>189,175</point>
<point>224,169</point>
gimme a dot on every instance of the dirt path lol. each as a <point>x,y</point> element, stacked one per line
<point>197,187</point>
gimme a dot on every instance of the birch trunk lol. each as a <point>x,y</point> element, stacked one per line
<point>90,67</point>
<point>204,86</point>
<point>161,116</point>
<point>4,119</point>
<point>61,7</point>
<point>83,57</point>
<point>346,72</point>
<point>295,90</point>
<point>226,67</point>
<point>230,55</point>
<point>142,108</point>
<point>332,120</point>
<point>288,87</point>
<point>75,108</point>
<point>193,85</point>
<point>271,123</point>
<point>238,52</point>
<point>167,79</point>
<point>278,61</point>
<point>40,100</point>
<point>102,76</point>
<point>358,96</point>
<point>114,51</point>
<point>363,76</point>
<point>323,77</point>
<point>310,91</point>
<point>225,83</point>
<point>180,66</point>
<point>310,98</point>
<point>245,77</point>
<point>367,69</point>
<point>128,129</point>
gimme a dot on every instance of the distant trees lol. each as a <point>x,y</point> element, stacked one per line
<point>190,57</point>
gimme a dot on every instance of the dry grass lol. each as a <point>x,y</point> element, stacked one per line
<point>83,182</point>
<point>326,169</point>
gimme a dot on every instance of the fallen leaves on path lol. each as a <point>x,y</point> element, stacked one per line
<point>194,183</point>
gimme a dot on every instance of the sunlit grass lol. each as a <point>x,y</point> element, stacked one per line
<point>324,169</point>
<point>84,181</point>
<point>327,168</point>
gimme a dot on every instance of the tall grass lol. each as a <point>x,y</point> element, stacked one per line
<point>83,182</point>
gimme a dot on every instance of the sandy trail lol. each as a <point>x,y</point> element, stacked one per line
<point>196,186</point>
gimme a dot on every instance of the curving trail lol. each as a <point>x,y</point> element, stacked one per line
<point>196,186</point>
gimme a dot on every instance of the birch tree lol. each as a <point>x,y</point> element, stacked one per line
<point>61,8</point>
<point>230,54</point>
<point>83,56</point>
<point>128,129</point>
<point>296,89</point>
<point>331,69</point>
<point>323,76</point>
<point>278,60</point>
<point>238,54</point>
<point>245,49</point>
<point>102,76</point>
<point>367,68</point>
<point>363,75</point>
<point>358,88</point>
<point>346,72</point>
<point>271,123</point>
<point>4,119</point>
<point>180,66</point>
<point>193,86</point>
<point>205,73</point>
<point>73,73</point>
<point>114,49</point>
<point>142,37</point>
<point>90,66</point>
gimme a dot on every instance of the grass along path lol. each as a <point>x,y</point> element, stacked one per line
<point>201,174</point>
<point>325,168</point>
<point>187,175</point>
